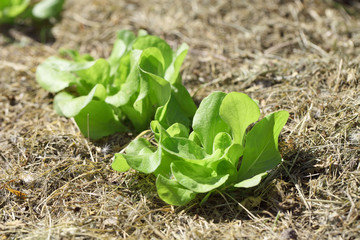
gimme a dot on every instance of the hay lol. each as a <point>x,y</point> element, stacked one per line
<point>301,56</point>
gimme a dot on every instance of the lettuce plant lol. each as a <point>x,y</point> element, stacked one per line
<point>139,80</point>
<point>12,9</point>
<point>219,154</point>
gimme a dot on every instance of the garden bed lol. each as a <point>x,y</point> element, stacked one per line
<point>298,56</point>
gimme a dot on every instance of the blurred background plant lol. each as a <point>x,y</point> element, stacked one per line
<point>40,15</point>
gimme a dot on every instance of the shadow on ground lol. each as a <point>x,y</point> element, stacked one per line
<point>39,32</point>
<point>277,193</point>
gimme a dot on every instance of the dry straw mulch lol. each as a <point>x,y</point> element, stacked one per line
<point>301,56</point>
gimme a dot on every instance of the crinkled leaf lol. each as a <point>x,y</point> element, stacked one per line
<point>76,56</point>
<point>141,110</point>
<point>159,89</point>
<point>152,61</point>
<point>195,138</point>
<point>139,113</point>
<point>150,41</point>
<point>175,130</point>
<point>260,153</point>
<point>131,85</point>
<point>196,177</point>
<point>47,8</point>
<point>119,164</point>
<point>222,141</point>
<point>146,163</point>
<point>183,98</point>
<point>171,113</point>
<point>207,122</point>
<point>210,161</point>
<point>238,110</point>
<point>139,119</point>
<point>121,46</point>
<point>154,90</point>
<point>183,148</point>
<point>126,36</point>
<point>142,33</point>
<point>140,145</point>
<point>155,128</point>
<point>166,157</point>
<point>10,9</point>
<point>66,65</point>
<point>59,99</point>
<point>98,119</point>
<point>280,119</point>
<point>98,73</point>
<point>178,130</point>
<point>141,156</point>
<point>251,182</point>
<point>166,160</point>
<point>224,167</point>
<point>71,107</point>
<point>233,153</point>
<point>171,192</point>
<point>121,74</point>
<point>172,72</point>
<point>117,53</point>
<point>52,79</point>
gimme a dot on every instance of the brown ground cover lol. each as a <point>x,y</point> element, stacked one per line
<point>300,56</point>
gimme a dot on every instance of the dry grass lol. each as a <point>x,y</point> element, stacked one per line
<point>301,56</point>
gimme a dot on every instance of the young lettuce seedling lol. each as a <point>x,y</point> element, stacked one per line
<point>10,10</point>
<point>140,76</point>
<point>217,154</point>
